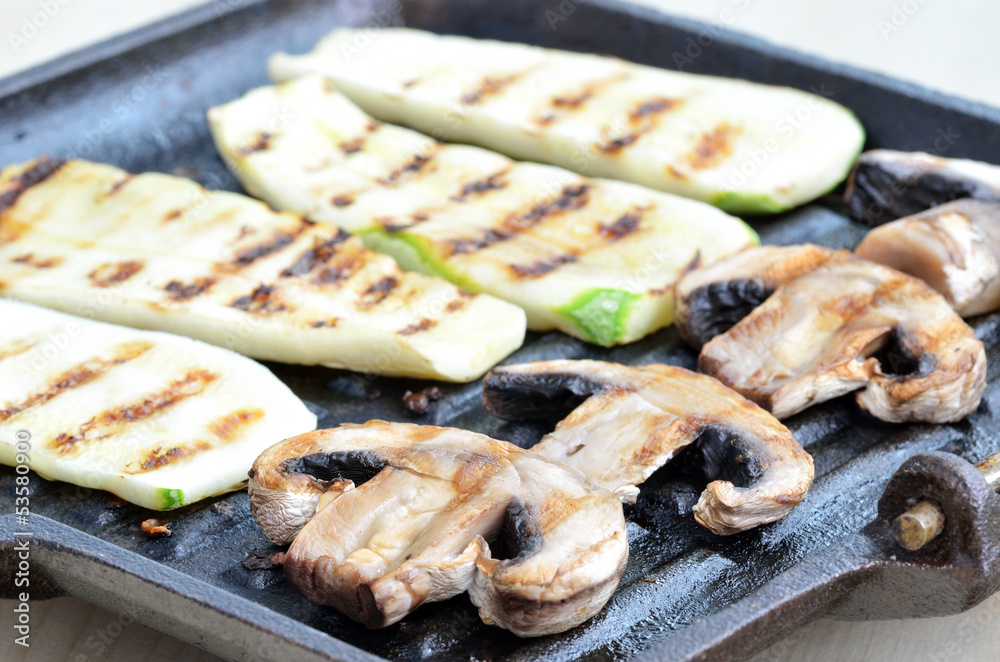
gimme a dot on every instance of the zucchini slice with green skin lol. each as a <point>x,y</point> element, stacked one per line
<point>594,258</point>
<point>160,252</point>
<point>745,147</point>
<point>160,420</point>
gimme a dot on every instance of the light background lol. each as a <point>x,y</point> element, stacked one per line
<point>951,46</point>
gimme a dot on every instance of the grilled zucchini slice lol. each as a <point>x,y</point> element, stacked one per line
<point>160,420</point>
<point>594,258</point>
<point>160,252</point>
<point>745,147</point>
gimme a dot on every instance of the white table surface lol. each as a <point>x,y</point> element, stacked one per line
<point>950,46</point>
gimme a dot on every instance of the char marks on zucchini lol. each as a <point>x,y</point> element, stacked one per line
<point>120,419</point>
<point>228,263</point>
<point>160,420</point>
<point>672,131</point>
<point>481,220</point>
<point>75,377</point>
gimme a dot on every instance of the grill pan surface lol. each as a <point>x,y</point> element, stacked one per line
<point>138,102</point>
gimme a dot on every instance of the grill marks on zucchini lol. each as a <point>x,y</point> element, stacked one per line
<point>179,291</point>
<point>713,147</point>
<point>487,87</point>
<point>493,182</point>
<point>393,225</point>
<point>411,169</point>
<point>422,325</point>
<point>226,429</point>
<point>623,226</point>
<point>260,142</point>
<point>458,303</point>
<point>114,273</point>
<point>481,220</point>
<point>247,256</point>
<point>357,143</point>
<point>158,458</point>
<point>119,420</point>
<point>117,186</point>
<point>377,292</point>
<point>262,301</point>
<point>572,100</point>
<point>321,253</point>
<point>160,420</point>
<point>31,176</point>
<point>75,377</point>
<point>542,267</point>
<point>571,198</point>
<point>37,262</point>
<point>642,118</point>
<point>227,254</point>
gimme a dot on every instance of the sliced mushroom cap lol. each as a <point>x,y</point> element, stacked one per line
<point>954,248</point>
<point>419,514</point>
<point>285,491</point>
<point>619,424</point>
<point>852,324</point>
<point>710,300</point>
<point>885,185</point>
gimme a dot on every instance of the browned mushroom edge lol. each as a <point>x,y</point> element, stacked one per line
<point>619,424</point>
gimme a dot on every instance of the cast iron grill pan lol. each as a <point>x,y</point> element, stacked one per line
<point>139,101</point>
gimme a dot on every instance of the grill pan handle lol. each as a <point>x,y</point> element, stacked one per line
<point>872,576</point>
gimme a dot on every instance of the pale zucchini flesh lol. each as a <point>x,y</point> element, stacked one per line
<point>159,252</point>
<point>745,147</point>
<point>594,258</point>
<point>160,420</point>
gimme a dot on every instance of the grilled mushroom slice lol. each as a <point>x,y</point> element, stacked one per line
<point>708,301</point>
<point>886,185</point>
<point>619,424</point>
<point>394,515</point>
<point>852,324</point>
<point>954,248</point>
